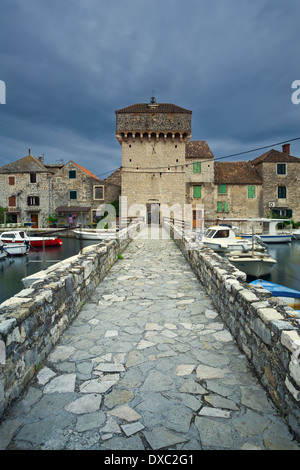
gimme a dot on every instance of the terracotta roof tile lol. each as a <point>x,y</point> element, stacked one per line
<point>198,149</point>
<point>275,156</point>
<point>154,108</point>
<point>236,173</point>
<point>89,173</point>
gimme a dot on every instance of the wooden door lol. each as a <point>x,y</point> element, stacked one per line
<point>35,220</point>
<point>197,219</point>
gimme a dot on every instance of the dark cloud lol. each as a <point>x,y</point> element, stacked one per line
<point>69,65</point>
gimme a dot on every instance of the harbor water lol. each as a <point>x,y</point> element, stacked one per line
<point>285,272</point>
<point>12,271</point>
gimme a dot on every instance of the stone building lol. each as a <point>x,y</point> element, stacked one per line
<point>280,173</point>
<point>161,165</point>
<point>31,190</point>
<point>199,179</point>
<point>153,138</point>
<point>79,193</point>
<point>24,190</point>
<point>238,190</point>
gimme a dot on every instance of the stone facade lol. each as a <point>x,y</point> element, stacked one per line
<point>24,190</point>
<point>237,186</point>
<point>199,178</point>
<point>79,192</point>
<point>280,173</point>
<point>161,165</point>
<point>153,138</point>
<point>30,190</point>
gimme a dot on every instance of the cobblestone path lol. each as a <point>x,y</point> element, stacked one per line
<point>148,364</point>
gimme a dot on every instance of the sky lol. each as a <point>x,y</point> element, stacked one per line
<point>69,65</point>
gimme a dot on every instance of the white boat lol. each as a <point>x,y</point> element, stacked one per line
<point>15,249</point>
<point>296,234</point>
<point>268,231</point>
<point>19,237</point>
<point>222,238</point>
<point>253,263</point>
<point>290,296</point>
<point>95,235</point>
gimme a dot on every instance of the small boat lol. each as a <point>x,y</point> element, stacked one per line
<point>95,235</point>
<point>296,234</point>
<point>15,249</point>
<point>253,263</point>
<point>35,241</point>
<point>269,232</point>
<point>222,238</point>
<point>290,296</point>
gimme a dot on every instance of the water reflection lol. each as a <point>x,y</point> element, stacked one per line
<point>286,271</point>
<point>12,271</point>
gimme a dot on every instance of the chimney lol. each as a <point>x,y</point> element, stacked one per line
<point>286,148</point>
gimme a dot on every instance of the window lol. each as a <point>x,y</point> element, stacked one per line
<point>197,191</point>
<point>98,192</point>
<point>196,167</point>
<point>72,174</point>
<point>281,192</point>
<point>11,181</point>
<point>222,188</point>
<point>288,213</point>
<point>12,201</point>
<point>32,177</point>
<point>281,169</point>
<point>222,206</point>
<point>251,192</point>
<point>33,201</point>
<point>73,194</point>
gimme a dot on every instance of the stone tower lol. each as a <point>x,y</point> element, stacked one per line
<point>153,138</point>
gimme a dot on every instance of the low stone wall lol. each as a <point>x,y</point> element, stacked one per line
<point>32,321</point>
<point>266,330</point>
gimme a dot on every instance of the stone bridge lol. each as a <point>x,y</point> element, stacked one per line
<point>148,363</point>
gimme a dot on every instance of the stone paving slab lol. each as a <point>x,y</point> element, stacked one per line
<point>148,364</point>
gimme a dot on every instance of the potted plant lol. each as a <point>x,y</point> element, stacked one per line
<point>52,220</point>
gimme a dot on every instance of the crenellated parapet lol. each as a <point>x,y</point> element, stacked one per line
<point>153,121</point>
<point>153,136</point>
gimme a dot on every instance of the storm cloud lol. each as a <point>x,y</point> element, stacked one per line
<point>68,66</point>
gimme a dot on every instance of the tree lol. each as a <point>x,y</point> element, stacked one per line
<point>2,211</point>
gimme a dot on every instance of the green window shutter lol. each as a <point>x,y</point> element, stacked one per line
<point>196,167</point>
<point>251,192</point>
<point>222,188</point>
<point>197,191</point>
<point>225,206</point>
<point>219,208</point>
<point>73,194</point>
